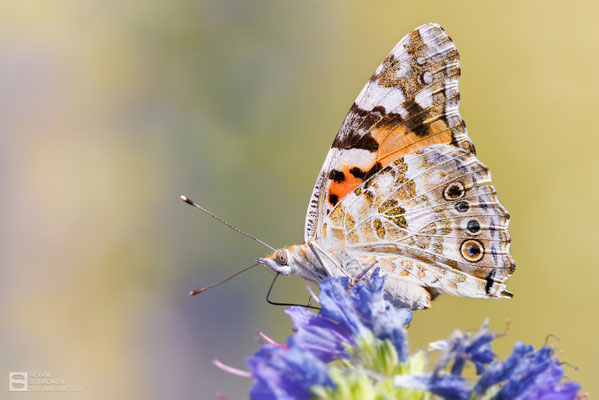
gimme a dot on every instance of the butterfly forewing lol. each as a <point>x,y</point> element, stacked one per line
<point>410,102</point>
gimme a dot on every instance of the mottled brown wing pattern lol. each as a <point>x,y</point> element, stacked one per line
<point>431,222</point>
<point>409,103</point>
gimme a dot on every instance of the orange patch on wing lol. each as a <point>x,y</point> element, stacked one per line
<point>341,189</point>
<point>394,142</point>
<point>397,142</point>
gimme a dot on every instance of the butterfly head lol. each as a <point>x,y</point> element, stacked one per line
<point>277,262</point>
<point>294,260</point>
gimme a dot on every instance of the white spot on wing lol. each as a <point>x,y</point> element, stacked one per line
<point>425,98</point>
<point>356,157</point>
<point>389,97</point>
<point>427,77</point>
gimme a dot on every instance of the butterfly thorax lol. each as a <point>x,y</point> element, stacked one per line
<point>300,260</point>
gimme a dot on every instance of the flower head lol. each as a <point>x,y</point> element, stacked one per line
<point>528,374</point>
<point>286,373</point>
<point>323,337</point>
<point>463,347</point>
<point>362,330</point>
<point>364,311</point>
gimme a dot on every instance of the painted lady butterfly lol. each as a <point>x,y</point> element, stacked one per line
<point>402,189</point>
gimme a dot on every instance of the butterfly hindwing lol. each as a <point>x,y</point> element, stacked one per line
<point>429,219</point>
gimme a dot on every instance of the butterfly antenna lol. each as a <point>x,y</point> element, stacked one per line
<point>198,291</point>
<point>192,203</point>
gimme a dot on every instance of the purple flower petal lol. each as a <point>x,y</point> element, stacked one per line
<point>501,371</point>
<point>463,347</point>
<point>339,307</point>
<point>321,336</point>
<point>525,373</point>
<point>286,373</point>
<point>365,309</point>
<point>389,325</point>
<point>528,374</point>
<point>548,385</point>
<point>476,350</point>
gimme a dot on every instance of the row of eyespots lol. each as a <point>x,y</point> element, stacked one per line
<point>472,250</point>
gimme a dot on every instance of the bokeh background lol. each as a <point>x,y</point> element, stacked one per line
<point>110,110</point>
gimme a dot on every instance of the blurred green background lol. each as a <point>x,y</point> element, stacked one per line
<point>110,110</point>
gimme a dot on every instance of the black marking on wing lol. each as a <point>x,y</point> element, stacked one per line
<point>418,115</point>
<point>490,281</point>
<point>359,121</point>
<point>353,140</point>
<point>337,176</point>
<point>333,199</point>
<point>372,171</point>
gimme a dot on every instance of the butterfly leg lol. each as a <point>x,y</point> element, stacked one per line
<point>317,251</point>
<point>357,278</point>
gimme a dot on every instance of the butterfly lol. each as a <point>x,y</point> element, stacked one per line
<point>401,189</point>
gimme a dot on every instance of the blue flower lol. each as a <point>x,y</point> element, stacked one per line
<point>345,318</point>
<point>291,372</point>
<point>385,321</point>
<point>321,336</point>
<point>365,311</point>
<point>501,371</point>
<point>535,372</point>
<point>525,373</point>
<point>282,373</point>
<point>339,307</point>
<point>528,374</point>
<point>548,385</point>
<point>358,326</point>
<point>462,347</point>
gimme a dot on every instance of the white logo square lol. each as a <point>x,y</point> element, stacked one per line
<point>17,382</point>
